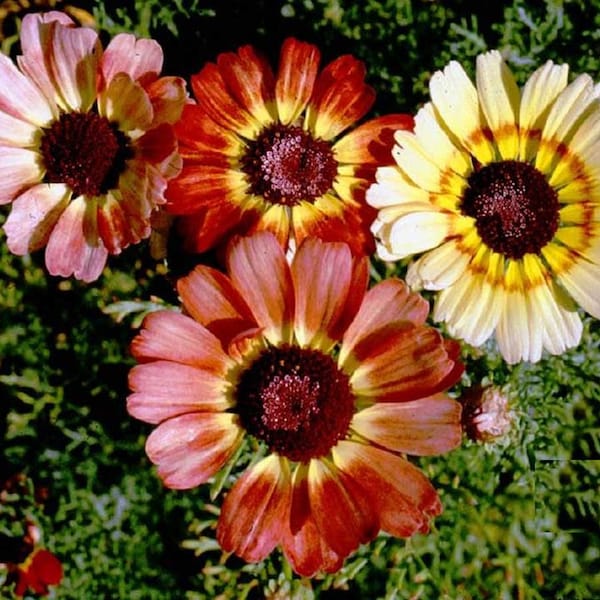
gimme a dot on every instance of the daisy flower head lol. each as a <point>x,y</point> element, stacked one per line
<point>498,191</point>
<point>86,142</point>
<point>334,382</point>
<point>274,151</point>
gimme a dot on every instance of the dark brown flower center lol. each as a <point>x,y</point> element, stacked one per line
<point>515,209</point>
<point>286,165</point>
<point>84,151</point>
<point>296,400</point>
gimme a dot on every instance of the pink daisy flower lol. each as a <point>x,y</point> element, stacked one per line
<point>336,382</point>
<point>86,142</point>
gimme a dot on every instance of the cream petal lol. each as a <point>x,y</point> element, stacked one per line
<point>499,96</point>
<point>437,145</point>
<point>387,193</point>
<point>191,448</point>
<point>539,94</point>
<point>418,166</point>
<point>19,169</point>
<point>471,308</point>
<point>423,427</point>
<point>455,99</point>
<point>562,122</point>
<point>582,281</point>
<point>33,216</point>
<point>439,268</point>
<point>418,232</point>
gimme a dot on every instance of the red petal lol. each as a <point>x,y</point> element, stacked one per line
<point>216,100</point>
<point>340,98</point>
<point>342,511</point>
<point>335,219</point>
<point>250,81</point>
<point>255,509</point>
<point>403,496</point>
<point>191,448</point>
<point>298,68</point>
<point>200,136</point>
<point>46,567</point>
<point>261,274</point>
<point>372,142</point>
<point>303,545</point>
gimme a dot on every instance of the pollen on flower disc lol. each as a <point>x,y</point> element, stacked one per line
<point>296,400</point>
<point>514,207</point>
<point>286,165</point>
<point>84,151</point>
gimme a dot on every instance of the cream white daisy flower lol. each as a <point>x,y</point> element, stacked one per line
<point>498,190</point>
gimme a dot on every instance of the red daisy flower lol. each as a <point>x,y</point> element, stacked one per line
<point>266,152</point>
<point>86,142</point>
<point>39,570</point>
<point>337,382</point>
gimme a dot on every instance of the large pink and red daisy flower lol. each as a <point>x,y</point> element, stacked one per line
<point>337,383</point>
<point>273,152</point>
<point>86,142</point>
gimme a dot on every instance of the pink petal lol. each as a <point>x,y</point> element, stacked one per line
<point>399,492</point>
<point>125,102</point>
<point>36,35</point>
<point>323,276</point>
<point>250,81</point>
<point>304,547</point>
<point>163,389</point>
<point>400,365</point>
<point>259,271</point>
<point>114,226</point>
<point>168,96</point>
<point>210,298</point>
<point>16,132</point>
<point>386,303</point>
<point>255,509</point>
<point>175,337</point>
<point>73,56</point>
<point>141,59</point>
<point>19,169</point>
<point>423,427</point>
<point>298,68</point>
<point>33,215</point>
<point>21,99</point>
<point>73,247</point>
<point>191,448</point>
<point>342,510</point>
